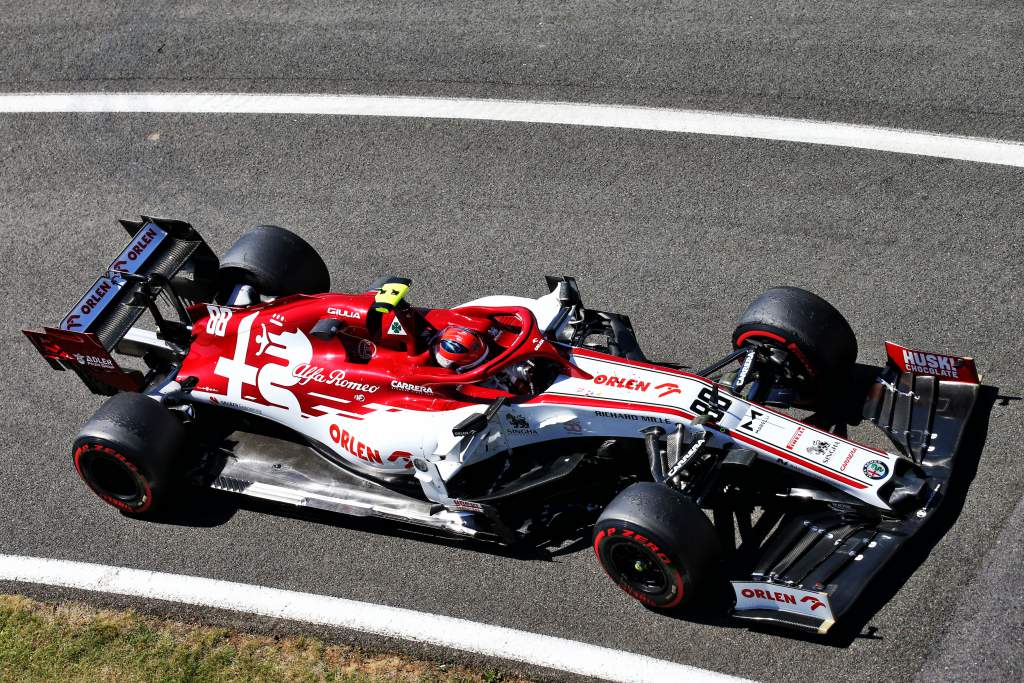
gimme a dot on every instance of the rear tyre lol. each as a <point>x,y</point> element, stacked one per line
<point>657,545</point>
<point>809,328</point>
<point>126,453</point>
<point>275,262</point>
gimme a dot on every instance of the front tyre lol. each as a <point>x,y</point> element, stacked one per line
<point>126,453</point>
<point>657,545</point>
<point>811,332</point>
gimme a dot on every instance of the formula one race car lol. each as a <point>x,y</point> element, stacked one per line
<point>256,380</point>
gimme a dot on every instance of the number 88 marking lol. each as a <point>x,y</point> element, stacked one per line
<point>703,405</point>
<point>217,323</point>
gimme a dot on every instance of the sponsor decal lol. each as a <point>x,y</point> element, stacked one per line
<point>875,469</point>
<point>777,596</point>
<point>136,251</point>
<point>847,459</point>
<point>751,595</point>
<point>628,416</point>
<point>667,389</point>
<point>102,292</point>
<point>812,602</point>
<point>412,388</point>
<point>89,308</point>
<point>94,361</point>
<point>354,446</point>
<point>396,328</point>
<point>741,376</point>
<point>755,422</point>
<point>688,456</point>
<point>622,383</point>
<point>796,437</point>
<point>938,365</point>
<point>519,424</point>
<point>217,322</point>
<point>341,313</point>
<point>823,450</point>
<point>467,505</point>
<point>226,403</point>
<point>402,455</point>
<point>336,378</point>
<point>930,363</point>
<point>93,299</point>
<point>518,421</point>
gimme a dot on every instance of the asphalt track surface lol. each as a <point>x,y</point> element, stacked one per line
<point>678,231</point>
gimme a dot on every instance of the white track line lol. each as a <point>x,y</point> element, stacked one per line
<point>983,150</point>
<point>390,622</point>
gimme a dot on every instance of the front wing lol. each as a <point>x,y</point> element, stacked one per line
<point>811,569</point>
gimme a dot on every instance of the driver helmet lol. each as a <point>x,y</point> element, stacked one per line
<point>459,348</point>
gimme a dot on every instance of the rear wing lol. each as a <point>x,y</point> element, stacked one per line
<point>164,258</point>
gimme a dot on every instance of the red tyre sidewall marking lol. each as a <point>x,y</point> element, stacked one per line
<point>792,346</point>
<point>667,565</point>
<point>121,505</point>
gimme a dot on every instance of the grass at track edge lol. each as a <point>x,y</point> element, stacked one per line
<point>71,641</point>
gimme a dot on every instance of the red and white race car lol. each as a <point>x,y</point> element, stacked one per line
<point>254,379</point>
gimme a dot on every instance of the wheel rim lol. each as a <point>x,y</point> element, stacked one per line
<point>638,567</point>
<point>113,479</point>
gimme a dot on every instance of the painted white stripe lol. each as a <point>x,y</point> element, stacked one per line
<point>337,412</point>
<point>329,398</point>
<point>984,150</point>
<point>391,622</point>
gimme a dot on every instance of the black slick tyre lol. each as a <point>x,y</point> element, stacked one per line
<point>126,453</point>
<point>657,545</point>
<point>275,262</point>
<point>809,328</point>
